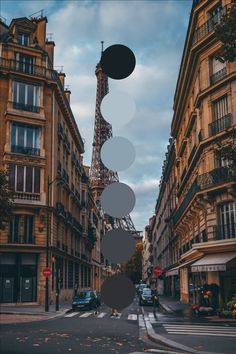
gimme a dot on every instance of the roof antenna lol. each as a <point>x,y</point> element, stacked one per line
<point>102,45</point>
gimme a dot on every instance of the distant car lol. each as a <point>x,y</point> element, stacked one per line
<point>140,288</point>
<point>146,297</point>
<point>87,299</point>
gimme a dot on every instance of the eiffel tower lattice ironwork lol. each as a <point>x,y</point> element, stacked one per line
<point>100,176</point>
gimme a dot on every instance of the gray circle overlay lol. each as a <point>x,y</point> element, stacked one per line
<point>117,199</point>
<point>118,245</point>
<point>117,153</point>
<point>118,108</point>
<point>118,292</point>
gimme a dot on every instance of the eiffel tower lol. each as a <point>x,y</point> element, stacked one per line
<point>100,176</point>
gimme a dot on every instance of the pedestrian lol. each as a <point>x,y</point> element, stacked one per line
<point>114,312</point>
<point>155,299</point>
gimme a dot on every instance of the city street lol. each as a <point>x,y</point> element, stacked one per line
<point>86,332</point>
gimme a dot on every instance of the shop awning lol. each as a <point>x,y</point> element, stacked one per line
<point>175,270</point>
<point>213,262</point>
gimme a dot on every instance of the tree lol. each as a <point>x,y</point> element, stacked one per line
<point>226,32</point>
<point>133,268</point>
<point>6,198</point>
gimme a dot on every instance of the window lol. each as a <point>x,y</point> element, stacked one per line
<point>218,70</point>
<point>25,139</point>
<point>70,274</point>
<point>26,96</point>
<point>220,108</point>
<point>25,63</point>
<point>223,159</point>
<point>23,39</point>
<point>21,229</point>
<point>228,220</point>
<point>24,178</point>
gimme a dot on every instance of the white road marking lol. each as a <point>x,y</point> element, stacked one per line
<point>86,314</point>
<point>141,322</point>
<point>132,317</point>
<point>72,314</point>
<point>101,315</point>
<point>200,330</point>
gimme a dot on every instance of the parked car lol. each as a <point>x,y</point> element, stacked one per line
<point>87,299</point>
<point>146,297</point>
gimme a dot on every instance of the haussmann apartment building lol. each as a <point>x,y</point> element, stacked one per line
<point>41,147</point>
<point>194,237</point>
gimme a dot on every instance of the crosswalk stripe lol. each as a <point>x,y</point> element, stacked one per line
<point>141,322</point>
<point>199,330</point>
<point>215,328</point>
<point>132,317</point>
<point>101,315</point>
<point>72,314</point>
<point>202,333</point>
<point>86,314</point>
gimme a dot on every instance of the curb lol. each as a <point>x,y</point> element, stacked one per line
<point>47,316</point>
<point>157,338</point>
<point>166,308</point>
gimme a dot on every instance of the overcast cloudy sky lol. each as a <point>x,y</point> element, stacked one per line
<point>155,31</point>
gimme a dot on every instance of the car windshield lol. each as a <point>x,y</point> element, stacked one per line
<point>83,295</point>
<point>147,292</point>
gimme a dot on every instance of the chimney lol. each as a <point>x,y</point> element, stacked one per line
<point>68,93</point>
<point>62,78</point>
<point>41,31</point>
<point>49,47</point>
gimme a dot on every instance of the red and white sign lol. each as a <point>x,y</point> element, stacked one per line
<point>157,271</point>
<point>47,272</point>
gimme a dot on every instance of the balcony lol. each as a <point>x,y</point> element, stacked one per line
<point>27,196</point>
<point>219,75</point>
<point>65,176</point>
<point>59,167</point>
<point>25,150</point>
<point>21,239</point>
<point>208,26</point>
<point>224,232</point>
<point>61,210</point>
<point>207,180</point>
<point>66,143</point>
<point>220,124</point>
<point>26,107</point>
<point>215,177</point>
<point>61,133</point>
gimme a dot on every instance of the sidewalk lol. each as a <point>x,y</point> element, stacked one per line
<point>172,305</point>
<point>35,310</point>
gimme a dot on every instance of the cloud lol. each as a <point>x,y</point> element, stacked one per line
<point>155,31</point>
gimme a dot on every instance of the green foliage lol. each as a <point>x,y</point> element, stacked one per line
<point>226,314</point>
<point>6,198</point>
<point>92,239</point>
<point>133,268</point>
<point>226,33</point>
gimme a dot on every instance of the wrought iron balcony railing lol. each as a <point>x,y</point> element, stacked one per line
<point>207,180</point>
<point>219,75</point>
<point>26,107</point>
<point>21,239</point>
<point>224,231</point>
<point>209,25</point>
<point>220,124</point>
<point>25,150</point>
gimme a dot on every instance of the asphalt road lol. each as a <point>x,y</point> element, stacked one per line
<point>87,333</point>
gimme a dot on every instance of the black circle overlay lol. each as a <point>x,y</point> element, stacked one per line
<point>117,292</point>
<point>118,61</point>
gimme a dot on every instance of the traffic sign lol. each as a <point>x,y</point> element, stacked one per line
<point>47,272</point>
<point>157,271</point>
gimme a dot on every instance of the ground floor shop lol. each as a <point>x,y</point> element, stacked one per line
<point>210,280</point>
<point>22,279</point>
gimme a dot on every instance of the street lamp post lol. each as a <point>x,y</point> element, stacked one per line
<point>47,243</point>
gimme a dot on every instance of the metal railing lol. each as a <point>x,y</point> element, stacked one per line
<point>224,231</point>
<point>217,176</point>
<point>21,239</point>
<point>25,150</point>
<point>219,75</point>
<point>26,107</point>
<point>220,124</point>
<point>208,26</point>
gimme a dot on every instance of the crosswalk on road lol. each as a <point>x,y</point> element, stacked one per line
<point>200,330</point>
<point>99,315</point>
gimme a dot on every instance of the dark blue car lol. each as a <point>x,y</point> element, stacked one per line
<point>87,299</point>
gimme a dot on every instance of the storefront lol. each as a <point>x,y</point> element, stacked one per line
<point>18,277</point>
<point>172,283</point>
<point>215,273</point>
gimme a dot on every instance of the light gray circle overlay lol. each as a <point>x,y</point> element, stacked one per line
<point>117,199</point>
<point>118,245</point>
<point>117,153</point>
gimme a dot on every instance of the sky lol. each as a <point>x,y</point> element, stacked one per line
<point>155,31</point>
